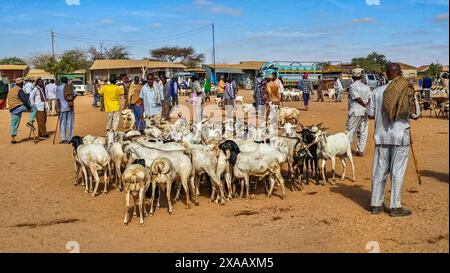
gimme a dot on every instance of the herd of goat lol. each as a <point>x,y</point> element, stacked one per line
<point>230,154</point>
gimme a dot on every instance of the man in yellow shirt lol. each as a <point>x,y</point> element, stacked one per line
<point>111,94</point>
<point>221,86</point>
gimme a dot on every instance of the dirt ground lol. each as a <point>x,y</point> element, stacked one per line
<point>41,210</point>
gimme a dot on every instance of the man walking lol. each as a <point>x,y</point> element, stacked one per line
<point>221,87</point>
<point>339,89</point>
<point>392,106</point>
<point>174,87</point>
<point>207,88</point>
<point>50,94</point>
<point>37,101</point>
<point>321,86</point>
<point>306,87</point>
<point>197,91</point>
<point>111,97</point>
<point>19,103</point>
<point>426,86</point>
<point>166,98</point>
<point>65,95</point>
<point>357,119</point>
<point>259,95</point>
<point>229,98</point>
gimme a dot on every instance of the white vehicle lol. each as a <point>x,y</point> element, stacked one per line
<point>79,87</point>
<point>371,80</point>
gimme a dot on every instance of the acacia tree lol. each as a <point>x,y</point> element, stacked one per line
<point>116,52</point>
<point>373,63</point>
<point>12,60</point>
<point>42,60</point>
<point>184,55</point>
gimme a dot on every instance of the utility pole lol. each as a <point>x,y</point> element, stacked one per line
<point>53,44</point>
<point>214,53</point>
<point>101,50</point>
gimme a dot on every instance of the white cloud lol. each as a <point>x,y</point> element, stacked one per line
<point>431,2</point>
<point>443,17</point>
<point>128,29</point>
<point>364,20</point>
<point>151,14</point>
<point>105,22</point>
<point>281,34</point>
<point>218,9</point>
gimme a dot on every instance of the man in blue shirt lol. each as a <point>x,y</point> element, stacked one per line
<point>426,86</point>
<point>66,113</point>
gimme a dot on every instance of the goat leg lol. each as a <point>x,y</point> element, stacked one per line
<point>126,220</point>
<point>141,207</point>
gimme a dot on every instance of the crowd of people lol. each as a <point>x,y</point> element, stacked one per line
<point>391,105</point>
<point>41,99</point>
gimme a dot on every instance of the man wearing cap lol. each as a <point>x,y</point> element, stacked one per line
<point>307,88</point>
<point>19,103</point>
<point>357,120</point>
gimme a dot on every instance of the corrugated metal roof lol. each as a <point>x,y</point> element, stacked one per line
<point>406,66</point>
<point>39,73</point>
<point>244,65</point>
<point>120,64</point>
<point>13,67</point>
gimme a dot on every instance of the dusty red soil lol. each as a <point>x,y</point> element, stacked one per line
<point>41,210</point>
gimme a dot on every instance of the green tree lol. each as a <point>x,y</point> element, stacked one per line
<point>184,55</point>
<point>12,60</point>
<point>373,63</point>
<point>434,70</point>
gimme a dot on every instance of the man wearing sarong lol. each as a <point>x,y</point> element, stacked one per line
<point>136,103</point>
<point>392,106</point>
<point>37,100</point>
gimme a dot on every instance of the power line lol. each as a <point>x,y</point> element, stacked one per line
<point>176,35</point>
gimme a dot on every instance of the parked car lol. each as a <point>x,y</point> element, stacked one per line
<point>372,80</point>
<point>79,86</point>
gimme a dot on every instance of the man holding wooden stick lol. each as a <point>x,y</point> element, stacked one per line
<point>392,106</point>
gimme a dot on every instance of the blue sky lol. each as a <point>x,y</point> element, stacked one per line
<point>410,31</point>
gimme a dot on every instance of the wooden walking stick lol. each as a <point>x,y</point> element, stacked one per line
<point>56,130</point>
<point>416,164</point>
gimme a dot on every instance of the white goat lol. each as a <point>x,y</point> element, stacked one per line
<point>180,160</point>
<point>93,158</point>
<point>260,164</point>
<point>331,146</point>
<point>129,121</point>
<point>163,175</point>
<point>136,179</point>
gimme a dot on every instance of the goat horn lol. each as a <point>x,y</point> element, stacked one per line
<point>165,166</point>
<point>155,166</point>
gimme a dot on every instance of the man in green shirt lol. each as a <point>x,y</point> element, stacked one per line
<point>207,88</point>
